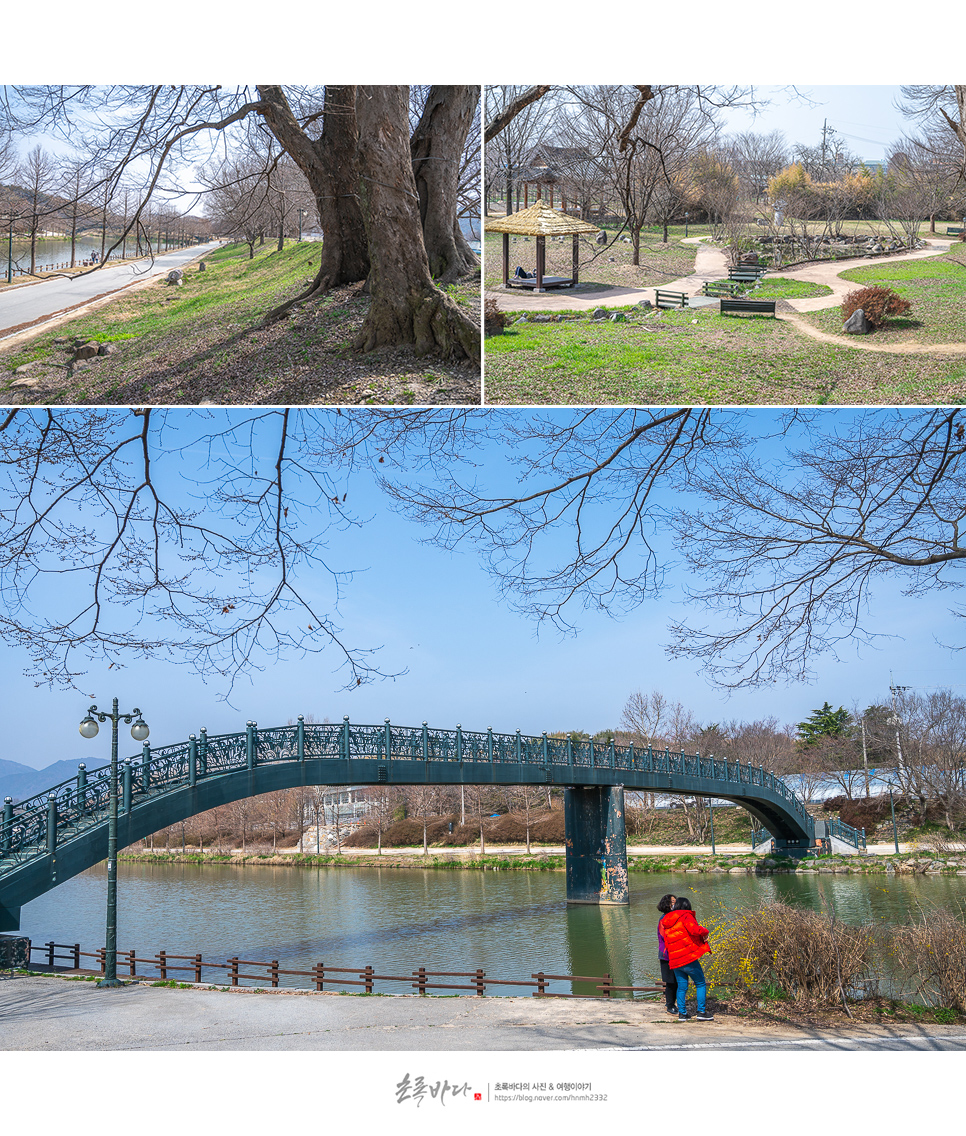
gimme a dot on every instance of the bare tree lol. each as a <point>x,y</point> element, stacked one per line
<point>358,165</point>
<point>37,174</point>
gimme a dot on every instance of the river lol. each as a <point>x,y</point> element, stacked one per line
<point>511,924</point>
<point>56,251</point>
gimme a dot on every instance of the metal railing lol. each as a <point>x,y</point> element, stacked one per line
<point>420,980</point>
<point>36,825</point>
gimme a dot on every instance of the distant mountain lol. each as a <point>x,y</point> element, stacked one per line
<point>20,781</point>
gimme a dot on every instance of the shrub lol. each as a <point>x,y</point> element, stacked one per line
<point>804,954</point>
<point>876,302</point>
<point>931,954</point>
<point>494,318</point>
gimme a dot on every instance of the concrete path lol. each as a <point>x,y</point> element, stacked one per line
<point>53,1014</point>
<point>28,306</point>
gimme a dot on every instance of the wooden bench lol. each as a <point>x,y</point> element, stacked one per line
<point>765,307</point>
<point>722,287</point>
<point>950,231</point>
<point>666,299</point>
<point>747,272</point>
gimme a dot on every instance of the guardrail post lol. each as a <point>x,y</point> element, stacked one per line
<point>388,740</point>
<point>570,750</point>
<point>367,976</point>
<point>489,743</point>
<point>163,964</point>
<point>51,823</point>
<point>541,984</point>
<point>192,760</point>
<point>425,742</point>
<point>480,984</point>
<point>197,968</point>
<point>81,785</point>
<point>233,970</point>
<point>50,953</point>
<point>606,985</point>
<point>319,975</point>
<point>145,767</point>
<point>593,759</point>
<point>459,742</point>
<point>546,757</point>
<point>7,822</point>
<point>519,745</point>
<point>300,738</point>
<point>273,970</point>
<point>202,752</point>
<point>613,754</point>
<point>126,786</point>
<point>134,963</point>
<point>76,953</point>
<point>102,959</point>
<point>345,737</point>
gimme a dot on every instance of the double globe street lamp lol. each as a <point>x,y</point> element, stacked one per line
<point>139,731</point>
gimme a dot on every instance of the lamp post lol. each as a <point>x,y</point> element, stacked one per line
<point>139,731</point>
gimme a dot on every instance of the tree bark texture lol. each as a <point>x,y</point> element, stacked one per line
<point>406,306</point>
<point>330,165</point>
<point>437,146</point>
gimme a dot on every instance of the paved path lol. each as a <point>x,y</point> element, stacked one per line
<point>48,1013</point>
<point>20,307</point>
<point>711,263</point>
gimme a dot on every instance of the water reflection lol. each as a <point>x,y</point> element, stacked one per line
<point>512,924</point>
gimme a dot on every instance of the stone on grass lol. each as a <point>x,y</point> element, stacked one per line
<point>618,317</point>
<point>176,276</point>
<point>598,314</point>
<point>857,324</point>
<point>202,267</point>
<point>86,351</point>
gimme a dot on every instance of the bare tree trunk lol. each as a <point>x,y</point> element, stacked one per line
<point>331,166</point>
<point>406,307</point>
<point>436,146</point>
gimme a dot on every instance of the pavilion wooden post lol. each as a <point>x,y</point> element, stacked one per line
<point>541,261</point>
<point>576,260</point>
<point>506,260</point>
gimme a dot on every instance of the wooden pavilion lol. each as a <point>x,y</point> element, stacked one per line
<point>539,221</point>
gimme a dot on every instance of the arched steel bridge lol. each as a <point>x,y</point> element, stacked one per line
<point>54,835</point>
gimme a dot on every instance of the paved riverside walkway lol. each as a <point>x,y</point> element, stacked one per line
<point>22,307</point>
<point>49,1013</point>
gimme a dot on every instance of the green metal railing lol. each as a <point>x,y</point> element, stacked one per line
<point>35,826</point>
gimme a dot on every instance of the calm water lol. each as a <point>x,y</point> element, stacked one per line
<point>56,251</point>
<point>511,924</point>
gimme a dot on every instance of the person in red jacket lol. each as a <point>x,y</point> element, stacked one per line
<point>686,941</point>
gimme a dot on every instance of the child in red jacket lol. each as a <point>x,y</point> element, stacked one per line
<point>686,941</point>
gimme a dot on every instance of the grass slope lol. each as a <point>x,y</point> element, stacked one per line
<point>201,343</point>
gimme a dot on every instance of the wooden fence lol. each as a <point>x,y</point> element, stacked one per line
<point>420,980</point>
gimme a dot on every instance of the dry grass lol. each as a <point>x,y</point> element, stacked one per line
<point>804,955</point>
<point>930,955</point>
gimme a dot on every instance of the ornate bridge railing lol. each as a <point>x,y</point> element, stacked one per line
<point>35,826</point>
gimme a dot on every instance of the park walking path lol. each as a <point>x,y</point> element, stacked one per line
<point>27,307</point>
<point>48,1013</point>
<point>711,263</point>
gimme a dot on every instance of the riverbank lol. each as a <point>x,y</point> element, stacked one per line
<point>51,1013</point>
<point>698,861</point>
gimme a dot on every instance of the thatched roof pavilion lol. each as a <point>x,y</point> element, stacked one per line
<point>538,221</point>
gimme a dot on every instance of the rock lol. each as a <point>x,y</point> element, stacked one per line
<point>25,367</point>
<point>542,319</point>
<point>601,238</point>
<point>175,276</point>
<point>646,304</point>
<point>857,324</point>
<point>618,317</point>
<point>202,267</point>
<point>598,314</point>
<point>105,349</point>
<point>86,351</point>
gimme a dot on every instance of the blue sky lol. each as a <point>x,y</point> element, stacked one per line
<point>467,659</point>
<point>864,115</point>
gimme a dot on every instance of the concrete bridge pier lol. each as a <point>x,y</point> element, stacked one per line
<point>9,918</point>
<point>596,844</point>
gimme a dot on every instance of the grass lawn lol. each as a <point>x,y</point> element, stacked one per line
<point>609,267</point>
<point>936,287</point>
<point>697,356</point>
<point>781,288</point>
<point>202,343</point>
